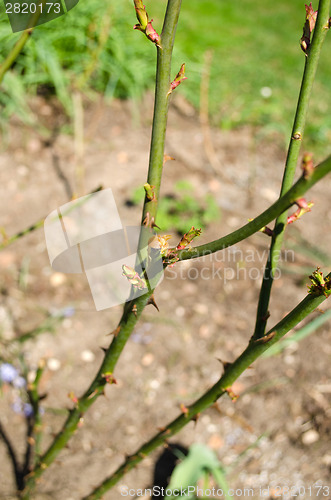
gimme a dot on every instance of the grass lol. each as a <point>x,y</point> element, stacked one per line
<point>254,45</point>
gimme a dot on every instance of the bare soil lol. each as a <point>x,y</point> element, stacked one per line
<point>207,314</point>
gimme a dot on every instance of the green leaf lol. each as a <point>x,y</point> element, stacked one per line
<point>199,459</point>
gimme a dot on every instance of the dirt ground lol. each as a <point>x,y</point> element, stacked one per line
<point>173,356</point>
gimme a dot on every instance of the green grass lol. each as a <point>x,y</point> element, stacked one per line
<point>182,210</point>
<point>254,45</point>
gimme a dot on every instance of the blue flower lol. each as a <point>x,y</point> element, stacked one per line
<point>8,373</point>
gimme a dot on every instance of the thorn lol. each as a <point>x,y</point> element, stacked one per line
<point>297,136</point>
<point>265,317</point>
<point>164,430</point>
<point>226,364</point>
<point>153,224</point>
<point>103,348</point>
<point>184,409</point>
<point>149,221</point>
<point>114,332</point>
<point>195,419</point>
<point>167,158</point>
<point>134,309</point>
<point>265,339</point>
<point>151,301</point>
<point>94,393</point>
<point>146,220</point>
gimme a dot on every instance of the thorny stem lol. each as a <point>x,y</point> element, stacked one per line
<point>281,205</point>
<point>8,240</point>
<point>311,64</point>
<point>253,351</point>
<point>133,309</point>
<point>161,104</point>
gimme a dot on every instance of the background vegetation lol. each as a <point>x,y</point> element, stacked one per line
<point>93,49</point>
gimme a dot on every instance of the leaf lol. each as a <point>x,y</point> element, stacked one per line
<point>311,16</point>
<point>187,473</point>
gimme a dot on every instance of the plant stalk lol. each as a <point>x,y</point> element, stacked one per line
<point>133,309</point>
<point>253,351</point>
<point>321,28</point>
<point>280,206</point>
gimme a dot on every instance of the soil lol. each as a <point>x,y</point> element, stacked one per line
<point>277,433</point>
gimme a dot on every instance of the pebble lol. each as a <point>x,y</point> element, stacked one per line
<point>154,384</point>
<point>87,356</point>
<point>53,364</point>
<point>57,279</point>
<point>310,437</point>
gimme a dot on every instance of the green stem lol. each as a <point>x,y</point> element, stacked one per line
<point>37,419</point>
<point>311,64</point>
<point>14,53</point>
<point>253,351</point>
<point>11,239</point>
<point>18,47</point>
<point>163,79</point>
<point>133,309</point>
<point>281,205</point>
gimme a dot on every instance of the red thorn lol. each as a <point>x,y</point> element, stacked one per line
<point>151,301</point>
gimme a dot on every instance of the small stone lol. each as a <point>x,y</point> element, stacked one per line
<point>57,279</point>
<point>53,364</point>
<point>154,384</point>
<point>310,437</point>
<point>87,356</point>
